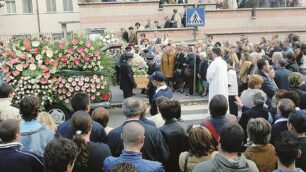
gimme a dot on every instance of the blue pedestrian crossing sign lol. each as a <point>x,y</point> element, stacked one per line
<point>195,17</point>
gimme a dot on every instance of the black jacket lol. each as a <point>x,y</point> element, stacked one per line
<point>155,148</point>
<point>127,81</point>
<point>151,88</point>
<point>254,112</point>
<point>302,95</point>
<point>203,66</point>
<point>281,78</point>
<point>176,135</point>
<point>293,66</point>
<point>179,61</point>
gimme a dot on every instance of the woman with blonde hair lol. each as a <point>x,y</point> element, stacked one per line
<point>296,80</point>
<point>201,149</point>
<point>167,64</point>
<point>45,118</point>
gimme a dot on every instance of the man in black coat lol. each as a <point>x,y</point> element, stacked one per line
<point>282,75</point>
<point>268,85</point>
<point>152,67</point>
<point>127,82</point>
<point>155,147</point>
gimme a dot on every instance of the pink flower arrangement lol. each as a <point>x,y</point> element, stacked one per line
<point>70,51</point>
<point>80,50</point>
<point>87,58</point>
<point>77,61</point>
<point>88,44</point>
<point>74,41</point>
<point>64,59</point>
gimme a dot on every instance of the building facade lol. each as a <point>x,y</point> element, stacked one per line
<point>19,17</point>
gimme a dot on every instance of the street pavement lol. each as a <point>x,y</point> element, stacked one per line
<point>194,108</point>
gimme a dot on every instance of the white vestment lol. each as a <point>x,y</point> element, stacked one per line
<point>217,78</point>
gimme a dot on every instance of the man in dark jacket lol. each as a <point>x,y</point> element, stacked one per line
<point>81,101</point>
<point>268,85</point>
<point>282,75</point>
<point>155,147</point>
<point>152,67</point>
<point>12,158</point>
<point>127,82</point>
<point>174,132</point>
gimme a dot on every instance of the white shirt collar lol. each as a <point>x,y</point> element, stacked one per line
<point>161,88</point>
<point>281,120</point>
<point>6,101</point>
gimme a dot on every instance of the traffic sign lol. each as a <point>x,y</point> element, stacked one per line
<point>195,17</point>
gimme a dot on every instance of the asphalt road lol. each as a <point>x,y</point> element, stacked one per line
<point>194,114</point>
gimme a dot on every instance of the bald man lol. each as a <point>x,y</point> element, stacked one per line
<point>133,140</point>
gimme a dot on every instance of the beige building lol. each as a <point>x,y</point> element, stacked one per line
<point>20,16</point>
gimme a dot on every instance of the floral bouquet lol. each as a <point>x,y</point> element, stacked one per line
<point>95,86</point>
<point>140,68</point>
<point>28,66</point>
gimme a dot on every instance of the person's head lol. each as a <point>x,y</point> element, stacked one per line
<point>190,50</point>
<point>9,131</point>
<point>157,78</point>
<point>156,23</point>
<point>218,105</point>
<point>282,62</point>
<point>123,167</point>
<point>297,122</point>
<point>132,107</point>
<point>133,135</point>
<point>287,148</point>
<point>230,63</point>
<point>290,56</point>
<point>137,25</point>
<point>293,96</point>
<point>149,20</point>
<point>6,90</point>
<point>278,95</point>
<point>167,109</point>
<point>285,107</point>
<point>174,11</point>
<point>259,97</point>
<point>255,57</point>
<point>245,56</point>
<point>210,38</point>
<point>263,65</point>
<point>259,131</point>
<point>200,141</point>
<point>203,55</point>
<point>131,29</point>
<point>59,155</point>
<point>231,138</point>
<point>276,56</point>
<point>122,30</point>
<point>45,118</point>
<point>80,101</point>
<point>255,81</point>
<point>216,52</point>
<point>81,124</point>
<point>29,107</point>
<point>296,80</point>
<point>101,115</point>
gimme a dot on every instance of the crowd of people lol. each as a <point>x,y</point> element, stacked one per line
<point>265,81</point>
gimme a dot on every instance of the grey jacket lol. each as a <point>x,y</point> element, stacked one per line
<point>240,164</point>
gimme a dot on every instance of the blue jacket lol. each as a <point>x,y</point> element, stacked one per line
<point>35,140</point>
<point>98,133</point>
<point>12,159</point>
<point>281,78</point>
<point>155,147</point>
<point>136,159</point>
<point>163,92</point>
<point>268,87</point>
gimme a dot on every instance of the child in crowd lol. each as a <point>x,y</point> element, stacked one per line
<point>101,115</point>
<point>45,118</point>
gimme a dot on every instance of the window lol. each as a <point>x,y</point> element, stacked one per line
<point>68,5</point>
<point>10,6</point>
<point>27,6</point>
<point>51,5</point>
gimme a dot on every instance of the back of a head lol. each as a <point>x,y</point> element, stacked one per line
<point>200,141</point>
<point>285,107</point>
<point>295,79</point>
<point>59,154</point>
<point>218,105</point>
<point>254,80</point>
<point>45,118</point>
<point>259,131</point>
<point>298,121</point>
<point>132,133</point>
<point>293,96</point>
<point>231,137</point>
<point>282,62</point>
<point>217,51</point>
<point>101,115</point>
<point>29,107</point>
<point>132,106</point>
<point>259,97</point>
<point>123,167</point>
<point>5,90</point>
<point>8,130</point>
<point>277,55</point>
<point>286,147</point>
<point>261,63</point>
<point>167,109</point>
<point>81,123</point>
<point>80,101</point>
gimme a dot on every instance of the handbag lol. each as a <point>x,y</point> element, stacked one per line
<point>188,72</point>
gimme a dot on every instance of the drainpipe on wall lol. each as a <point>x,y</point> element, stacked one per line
<point>38,19</point>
